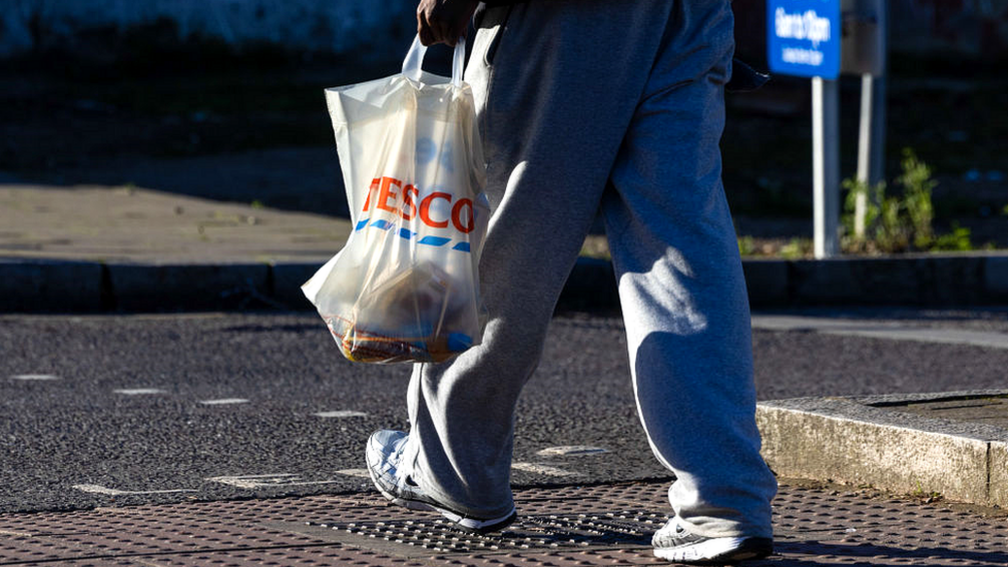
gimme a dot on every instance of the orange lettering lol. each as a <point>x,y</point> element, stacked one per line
<point>425,209</point>
<point>367,202</point>
<point>457,216</point>
<point>385,194</point>
<point>409,193</point>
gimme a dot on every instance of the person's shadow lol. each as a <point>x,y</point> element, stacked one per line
<point>810,553</point>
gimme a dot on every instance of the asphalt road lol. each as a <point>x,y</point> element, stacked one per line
<point>122,410</point>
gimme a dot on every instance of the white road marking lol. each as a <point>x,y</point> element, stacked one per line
<point>139,391</point>
<point>362,473</point>
<point>571,451</point>
<point>340,413</point>
<point>542,469</point>
<point>96,489</point>
<point>224,401</point>
<point>27,377</point>
<point>254,481</point>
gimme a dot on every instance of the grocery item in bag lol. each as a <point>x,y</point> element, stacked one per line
<point>405,286</point>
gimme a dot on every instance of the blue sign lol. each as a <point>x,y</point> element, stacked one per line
<point>803,37</point>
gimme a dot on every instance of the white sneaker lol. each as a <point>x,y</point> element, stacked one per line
<point>383,454</point>
<point>675,543</point>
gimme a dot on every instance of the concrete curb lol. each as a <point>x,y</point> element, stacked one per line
<point>50,285</point>
<point>863,441</point>
<point>931,280</point>
<point>39,286</point>
<point>134,288</point>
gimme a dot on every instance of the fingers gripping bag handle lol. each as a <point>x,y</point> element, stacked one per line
<point>405,286</point>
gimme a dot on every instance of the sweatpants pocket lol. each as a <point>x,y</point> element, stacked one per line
<point>494,19</point>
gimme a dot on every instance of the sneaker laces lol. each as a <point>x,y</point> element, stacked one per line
<point>395,459</point>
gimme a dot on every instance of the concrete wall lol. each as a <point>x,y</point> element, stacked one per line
<point>315,24</point>
<point>977,27</point>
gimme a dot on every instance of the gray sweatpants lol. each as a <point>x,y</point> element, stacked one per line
<point>585,104</point>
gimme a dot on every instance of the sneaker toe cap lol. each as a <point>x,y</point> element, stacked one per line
<point>381,447</point>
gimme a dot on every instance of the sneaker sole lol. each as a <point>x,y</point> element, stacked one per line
<point>719,550</point>
<point>471,525</point>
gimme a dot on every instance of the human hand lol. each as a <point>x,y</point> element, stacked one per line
<point>443,21</point>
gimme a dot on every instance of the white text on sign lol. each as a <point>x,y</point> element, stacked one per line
<point>808,26</point>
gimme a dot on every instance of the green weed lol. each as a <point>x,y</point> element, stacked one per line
<point>902,222</point>
<point>797,248</point>
<point>956,241</point>
<point>925,495</point>
<point>746,245</point>
<point>917,185</point>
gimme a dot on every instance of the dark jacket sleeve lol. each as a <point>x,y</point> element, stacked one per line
<point>744,77</point>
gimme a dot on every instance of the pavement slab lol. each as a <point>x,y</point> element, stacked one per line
<point>990,410</point>
<point>573,525</point>
<point>948,443</point>
<point>896,330</point>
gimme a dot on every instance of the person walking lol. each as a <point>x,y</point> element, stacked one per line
<point>618,107</point>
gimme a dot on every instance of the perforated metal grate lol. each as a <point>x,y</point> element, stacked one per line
<point>607,525</point>
<point>531,533</point>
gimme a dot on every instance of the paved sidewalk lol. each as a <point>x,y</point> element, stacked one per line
<point>576,525</point>
<point>132,225</point>
<point>95,249</point>
<point>125,249</point>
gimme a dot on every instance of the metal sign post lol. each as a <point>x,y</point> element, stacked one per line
<point>871,144</point>
<point>804,40</point>
<point>825,167</point>
<point>864,53</point>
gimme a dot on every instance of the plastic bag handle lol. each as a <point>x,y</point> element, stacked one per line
<point>458,62</point>
<point>411,65</point>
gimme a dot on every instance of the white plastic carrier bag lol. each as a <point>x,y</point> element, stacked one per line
<point>405,286</point>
